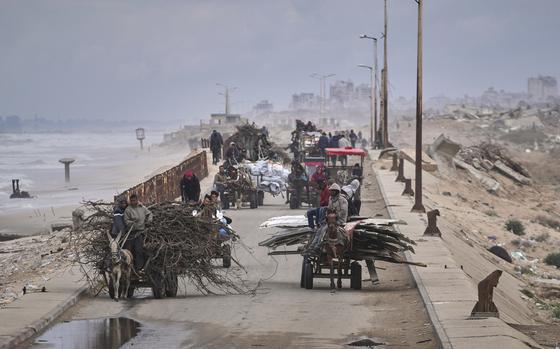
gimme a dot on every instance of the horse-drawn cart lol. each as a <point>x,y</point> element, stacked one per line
<point>340,250</point>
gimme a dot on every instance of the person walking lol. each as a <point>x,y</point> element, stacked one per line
<point>136,216</point>
<point>216,143</point>
<point>343,143</point>
<point>353,138</point>
<point>190,187</point>
<point>323,143</point>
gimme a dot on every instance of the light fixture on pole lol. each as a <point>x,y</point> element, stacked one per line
<point>418,206</point>
<point>322,88</point>
<point>373,139</point>
<point>141,135</point>
<point>373,118</point>
<point>226,93</point>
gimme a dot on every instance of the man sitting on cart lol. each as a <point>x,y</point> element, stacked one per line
<point>338,205</point>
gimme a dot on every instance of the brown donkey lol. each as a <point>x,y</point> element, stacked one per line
<point>336,245</point>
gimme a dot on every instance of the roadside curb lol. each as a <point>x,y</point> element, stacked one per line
<point>39,325</point>
<point>443,339</point>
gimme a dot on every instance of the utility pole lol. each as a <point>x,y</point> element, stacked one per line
<point>371,107</point>
<point>373,128</point>
<point>226,93</point>
<point>322,88</point>
<point>385,136</point>
<point>418,206</point>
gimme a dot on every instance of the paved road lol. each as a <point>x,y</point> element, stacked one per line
<point>280,314</point>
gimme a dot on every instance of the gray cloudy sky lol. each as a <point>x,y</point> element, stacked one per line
<point>161,59</point>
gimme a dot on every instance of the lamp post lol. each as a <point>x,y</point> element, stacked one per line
<point>373,119</point>
<point>141,135</point>
<point>418,206</point>
<point>385,130</point>
<point>322,88</point>
<point>227,91</point>
<point>373,137</point>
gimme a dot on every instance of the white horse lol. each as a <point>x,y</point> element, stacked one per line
<point>120,265</point>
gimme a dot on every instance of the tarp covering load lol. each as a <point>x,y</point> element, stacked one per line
<point>372,238</point>
<point>254,144</point>
<point>272,176</point>
<point>175,241</point>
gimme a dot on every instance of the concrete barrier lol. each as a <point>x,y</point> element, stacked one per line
<point>165,186</point>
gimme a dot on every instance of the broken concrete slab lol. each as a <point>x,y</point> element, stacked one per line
<point>444,146</point>
<point>490,184</point>
<point>509,172</point>
<point>427,164</point>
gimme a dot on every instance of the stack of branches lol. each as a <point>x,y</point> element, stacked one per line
<point>372,238</point>
<point>492,152</point>
<point>255,145</point>
<point>175,242</point>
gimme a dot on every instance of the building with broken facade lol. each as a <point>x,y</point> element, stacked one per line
<point>542,88</point>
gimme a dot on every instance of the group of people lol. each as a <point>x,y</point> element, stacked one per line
<point>344,139</point>
<point>129,220</point>
<point>233,180</point>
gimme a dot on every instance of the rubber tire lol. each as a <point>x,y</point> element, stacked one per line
<point>171,286</point>
<point>158,288</point>
<point>226,259</point>
<point>293,202</point>
<point>355,276</point>
<point>130,293</point>
<point>302,279</point>
<point>253,200</point>
<point>308,267</point>
<point>261,197</point>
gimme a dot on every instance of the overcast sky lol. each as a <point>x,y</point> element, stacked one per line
<point>139,59</point>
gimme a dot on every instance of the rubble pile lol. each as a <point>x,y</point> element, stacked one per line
<point>175,241</point>
<point>27,262</point>
<point>491,156</point>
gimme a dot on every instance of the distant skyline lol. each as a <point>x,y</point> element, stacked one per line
<point>137,59</point>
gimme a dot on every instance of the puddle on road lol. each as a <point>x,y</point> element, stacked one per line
<point>107,333</point>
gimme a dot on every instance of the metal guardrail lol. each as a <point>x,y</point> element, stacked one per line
<point>165,186</point>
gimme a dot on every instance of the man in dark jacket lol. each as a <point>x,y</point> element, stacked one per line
<point>216,143</point>
<point>323,143</point>
<point>118,219</point>
<point>353,138</point>
<point>334,144</point>
<point>190,187</point>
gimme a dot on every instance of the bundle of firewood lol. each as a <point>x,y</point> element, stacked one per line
<point>372,238</point>
<point>175,241</point>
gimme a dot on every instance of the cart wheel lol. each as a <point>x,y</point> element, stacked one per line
<point>172,284</point>
<point>253,200</point>
<point>293,201</point>
<point>261,198</point>
<point>308,267</point>
<point>158,287</point>
<point>356,276</point>
<point>226,259</point>
<point>111,288</point>
<point>130,293</point>
<point>302,280</point>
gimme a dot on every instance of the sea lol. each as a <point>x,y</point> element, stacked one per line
<point>105,165</point>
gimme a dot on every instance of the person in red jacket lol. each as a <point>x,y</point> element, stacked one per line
<point>316,215</point>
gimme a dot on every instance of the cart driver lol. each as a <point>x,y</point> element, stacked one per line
<point>337,204</point>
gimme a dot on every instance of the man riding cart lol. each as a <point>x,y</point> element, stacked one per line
<point>298,184</point>
<point>239,188</point>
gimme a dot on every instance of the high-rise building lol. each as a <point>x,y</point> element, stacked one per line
<point>542,87</point>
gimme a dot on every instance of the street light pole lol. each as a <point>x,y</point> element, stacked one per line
<point>226,93</point>
<point>371,106</point>
<point>385,136</point>
<point>418,206</point>
<point>322,88</point>
<point>373,128</point>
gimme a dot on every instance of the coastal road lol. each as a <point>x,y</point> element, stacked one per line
<point>279,314</point>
